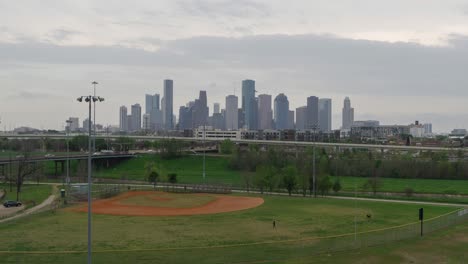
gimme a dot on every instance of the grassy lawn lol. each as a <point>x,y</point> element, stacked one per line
<point>418,185</point>
<point>30,193</point>
<point>297,218</point>
<point>188,168</point>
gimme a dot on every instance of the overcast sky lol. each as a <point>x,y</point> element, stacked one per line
<point>398,61</point>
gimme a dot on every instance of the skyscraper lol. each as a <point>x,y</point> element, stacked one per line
<point>348,114</point>
<point>291,119</point>
<point>281,111</point>
<point>200,111</point>
<point>301,113</point>
<point>312,113</point>
<point>231,116</point>
<point>123,121</point>
<point>168,114</point>
<point>325,114</point>
<point>216,108</point>
<point>248,102</point>
<point>265,114</point>
<point>146,122</point>
<point>151,102</point>
<point>136,117</point>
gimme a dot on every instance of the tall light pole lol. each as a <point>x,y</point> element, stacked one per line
<point>204,146</point>
<point>88,99</point>
<point>68,150</point>
<point>94,118</point>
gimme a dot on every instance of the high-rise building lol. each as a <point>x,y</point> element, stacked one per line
<point>86,124</point>
<point>291,119</point>
<point>136,117</point>
<point>200,111</point>
<point>312,113</point>
<point>231,116</point>
<point>146,122</point>
<point>216,108</point>
<point>123,120</point>
<point>185,118</point>
<point>151,102</point>
<point>325,114</point>
<point>348,114</point>
<point>281,111</point>
<point>301,117</point>
<point>168,98</point>
<point>74,124</point>
<point>265,114</point>
<point>248,104</point>
<point>427,129</point>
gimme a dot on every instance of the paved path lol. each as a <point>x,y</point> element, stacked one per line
<point>34,209</point>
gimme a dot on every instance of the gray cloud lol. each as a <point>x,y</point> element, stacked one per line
<point>62,34</point>
<point>224,8</point>
<point>342,65</point>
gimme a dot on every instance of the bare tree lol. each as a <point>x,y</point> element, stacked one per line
<point>26,167</point>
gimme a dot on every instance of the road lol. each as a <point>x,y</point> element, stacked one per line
<point>45,203</point>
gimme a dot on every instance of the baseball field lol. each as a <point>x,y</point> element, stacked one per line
<point>159,227</point>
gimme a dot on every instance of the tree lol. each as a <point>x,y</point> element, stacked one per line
<point>153,178</point>
<point>172,177</point>
<point>25,168</point>
<point>324,184</point>
<point>226,146</point>
<point>170,148</point>
<point>289,178</point>
<point>336,186</point>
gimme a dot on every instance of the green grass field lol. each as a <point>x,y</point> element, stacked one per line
<point>204,238</point>
<point>30,194</point>
<point>189,170</point>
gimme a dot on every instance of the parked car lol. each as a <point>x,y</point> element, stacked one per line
<point>11,203</point>
<point>49,155</point>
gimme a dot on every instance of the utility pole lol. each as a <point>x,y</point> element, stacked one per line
<point>94,118</point>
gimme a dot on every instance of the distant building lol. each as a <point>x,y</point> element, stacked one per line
<point>427,129</point>
<point>249,104</point>
<point>265,114</point>
<point>74,124</point>
<point>123,119</point>
<point>200,111</point>
<point>231,113</point>
<point>86,124</point>
<point>167,105</point>
<point>312,113</point>
<point>136,117</point>
<point>146,122</point>
<point>348,114</point>
<point>366,123</point>
<point>301,115</point>
<point>185,118</point>
<point>325,114</point>
<point>216,108</point>
<point>461,132</point>
<point>379,132</point>
<point>281,111</point>
<point>291,119</point>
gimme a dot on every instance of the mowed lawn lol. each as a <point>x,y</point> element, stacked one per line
<point>30,195</point>
<point>400,185</point>
<point>189,169</point>
<point>202,238</point>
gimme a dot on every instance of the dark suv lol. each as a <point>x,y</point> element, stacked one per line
<point>11,203</point>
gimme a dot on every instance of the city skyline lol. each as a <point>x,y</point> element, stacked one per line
<point>375,54</point>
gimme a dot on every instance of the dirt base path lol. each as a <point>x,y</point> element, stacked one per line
<point>221,204</point>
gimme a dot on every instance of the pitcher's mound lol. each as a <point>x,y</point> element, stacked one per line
<point>150,203</point>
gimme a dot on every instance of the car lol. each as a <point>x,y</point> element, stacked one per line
<point>49,155</point>
<point>20,156</point>
<point>11,203</point>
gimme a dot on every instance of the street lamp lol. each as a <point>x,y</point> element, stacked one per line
<point>94,118</point>
<point>88,99</point>
<point>67,131</point>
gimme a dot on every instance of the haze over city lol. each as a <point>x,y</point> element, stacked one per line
<point>397,61</point>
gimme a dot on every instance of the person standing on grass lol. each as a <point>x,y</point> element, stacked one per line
<point>274,224</point>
